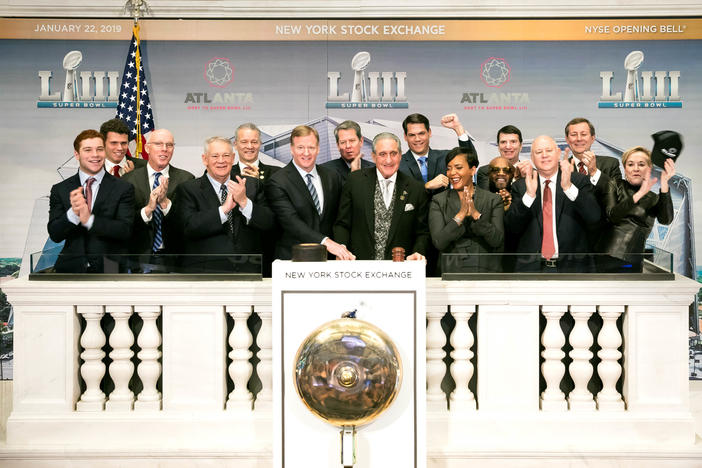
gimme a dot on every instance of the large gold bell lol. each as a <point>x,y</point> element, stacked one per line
<point>347,372</point>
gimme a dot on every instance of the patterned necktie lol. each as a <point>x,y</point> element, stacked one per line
<point>230,216</point>
<point>89,193</point>
<point>158,220</point>
<point>581,168</point>
<point>548,248</point>
<point>313,192</point>
<point>115,171</point>
<point>423,168</point>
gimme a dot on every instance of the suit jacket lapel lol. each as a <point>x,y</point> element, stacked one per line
<point>371,180</point>
<point>208,193</point>
<point>300,185</point>
<point>103,192</point>
<point>411,163</point>
<point>560,198</point>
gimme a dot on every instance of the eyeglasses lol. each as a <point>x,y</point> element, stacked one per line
<point>497,170</point>
<point>160,144</point>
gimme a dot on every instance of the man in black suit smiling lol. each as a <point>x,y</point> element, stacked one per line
<point>91,211</point>
<point>305,197</point>
<point>350,143</point>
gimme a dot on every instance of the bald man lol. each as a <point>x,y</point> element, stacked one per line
<point>552,207</point>
<point>154,188</point>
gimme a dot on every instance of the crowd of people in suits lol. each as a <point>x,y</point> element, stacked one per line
<point>240,214</point>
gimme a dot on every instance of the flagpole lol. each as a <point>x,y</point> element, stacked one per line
<point>137,63</point>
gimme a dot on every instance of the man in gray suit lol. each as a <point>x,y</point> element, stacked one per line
<point>154,188</point>
<point>350,143</point>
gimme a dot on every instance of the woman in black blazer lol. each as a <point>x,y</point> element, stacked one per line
<point>632,208</point>
<point>467,219</point>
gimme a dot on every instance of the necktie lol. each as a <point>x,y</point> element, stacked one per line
<point>581,168</point>
<point>313,192</point>
<point>89,193</point>
<point>387,196</point>
<point>158,219</point>
<point>423,168</point>
<point>115,171</point>
<point>230,216</point>
<point>547,245</point>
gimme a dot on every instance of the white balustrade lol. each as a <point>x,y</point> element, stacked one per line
<point>121,368</point>
<point>240,369</point>
<point>93,369</point>
<point>609,368</point>
<point>580,368</point>
<point>264,340</point>
<point>462,368</point>
<point>149,369</point>
<point>436,369</point>
<point>553,369</point>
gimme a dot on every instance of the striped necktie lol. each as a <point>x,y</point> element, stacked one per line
<point>158,219</point>
<point>313,192</point>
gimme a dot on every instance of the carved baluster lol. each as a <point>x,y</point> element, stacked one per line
<point>436,369</point>
<point>149,369</point>
<point>93,369</point>
<point>581,369</point>
<point>609,369</point>
<point>240,369</point>
<point>461,368</point>
<point>264,340</point>
<point>553,368</point>
<point>121,368</point>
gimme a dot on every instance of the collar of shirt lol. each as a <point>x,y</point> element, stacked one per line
<point>84,177</point>
<point>393,177</point>
<point>577,165</point>
<point>553,179</point>
<point>303,173</point>
<point>109,164</point>
<point>243,165</point>
<point>151,171</point>
<point>215,185</point>
<point>416,156</point>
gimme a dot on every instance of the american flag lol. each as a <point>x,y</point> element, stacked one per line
<point>134,105</point>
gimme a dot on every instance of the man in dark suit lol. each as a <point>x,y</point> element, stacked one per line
<point>421,162</point>
<point>247,142</point>
<point>350,143</point>
<point>221,217</point>
<point>91,211</point>
<point>305,197</point>
<point>551,209</point>
<point>154,189</point>
<point>116,134</point>
<point>382,208</point>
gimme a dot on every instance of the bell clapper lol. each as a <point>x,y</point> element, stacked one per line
<point>348,446</point>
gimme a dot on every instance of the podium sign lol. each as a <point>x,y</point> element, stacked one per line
<point>389,295</point>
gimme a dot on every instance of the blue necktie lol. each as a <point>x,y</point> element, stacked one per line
<point>158,220</point>
<point>423,167</point>
<point>313,192</point>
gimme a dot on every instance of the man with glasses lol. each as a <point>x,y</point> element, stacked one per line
<point>117,162</point>
<point>221,217</point>
<point>154,188</point>
<point>382,208</point>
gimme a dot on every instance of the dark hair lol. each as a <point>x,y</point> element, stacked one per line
<point>85,135</point>
<point>578,120</point>
<point>509,130</point>
<point>415,119</point>
<point>347,125</point>
<point>469,153</point>
<point>114,125</point>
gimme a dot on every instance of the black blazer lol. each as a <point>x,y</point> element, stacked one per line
<point>265,171</point>
<point>436,164</point>
<point>197,212</point>
<point>84,249</point>
<point>525,225</point>
<point>355,223</point>
<point>486,235</point>
<point>340,166</point>
<point>295,211</point>
<point>631,223</point>
<point>143,233</point>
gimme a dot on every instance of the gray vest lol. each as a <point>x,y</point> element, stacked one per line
<point>383,218</point>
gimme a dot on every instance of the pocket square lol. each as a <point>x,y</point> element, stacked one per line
<point>409,207</point>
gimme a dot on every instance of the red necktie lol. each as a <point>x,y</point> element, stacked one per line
<point>581,168</point>
<point>89,193</point>
<point>547,246</point>
<point>115,171</point>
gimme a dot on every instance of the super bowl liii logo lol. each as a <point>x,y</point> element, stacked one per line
<point>102,93</point>
<point>651,90</point>
<point>377,90</point>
